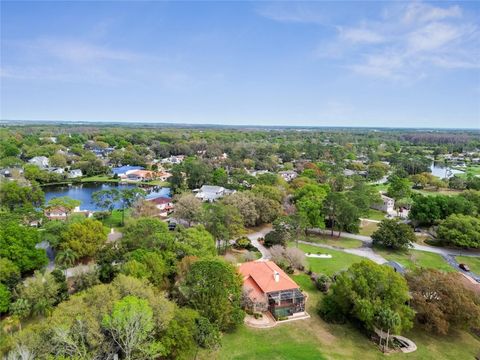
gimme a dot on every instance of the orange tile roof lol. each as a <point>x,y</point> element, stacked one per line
<point>262,272</point>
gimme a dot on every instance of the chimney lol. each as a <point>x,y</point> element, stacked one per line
<point>276,276</point>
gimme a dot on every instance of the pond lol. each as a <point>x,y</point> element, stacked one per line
<point>83,192</point>
<point>441,171</point>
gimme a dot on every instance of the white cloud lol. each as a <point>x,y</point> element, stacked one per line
<point>361,35</point>
<point>421,13</point>
<point>407,42</point>
<point>433,36</point>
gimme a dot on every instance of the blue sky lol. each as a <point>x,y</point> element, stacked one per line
<point>395,64</point>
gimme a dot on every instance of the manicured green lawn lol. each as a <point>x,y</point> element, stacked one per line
<point>100,178</point>
<point>333,241</point>
<point>472,262</point>
<point>414,258</point>
<point>156,183</point>
<point>315,339</point>
<point>115,219</point>
<point>339,260</point>
<point>375,215</point>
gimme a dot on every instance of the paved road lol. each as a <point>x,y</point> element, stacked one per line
<point>254,239</point>
<point>367,240</point>
<point>452,262</point>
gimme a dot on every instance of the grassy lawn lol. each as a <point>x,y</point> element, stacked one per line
<point>380,187</point>
<point>368,228</point>
<point>333,241</point>
<point>428,192</point>
<point>115,219</point>
<point>414,258</point>
<point>315,339</point>
<point>472,262</point>
<point>472,170</point>
<point>100,178</point>
<point>339,260</point>
<point>375,215</point>
<point>156,183</point>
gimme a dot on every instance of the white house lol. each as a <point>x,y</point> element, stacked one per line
<point>387,205</point>
<point>211,193</point>
<point>288,175</point>
<point>75,173</point>
<point>164,204</point>
<point>173,159</point>
<point>40,161</point>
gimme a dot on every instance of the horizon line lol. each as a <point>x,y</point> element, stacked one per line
<point>193,125</point>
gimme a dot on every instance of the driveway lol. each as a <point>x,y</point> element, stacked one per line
<point>254,239</point>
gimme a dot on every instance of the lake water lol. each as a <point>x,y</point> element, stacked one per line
<point>83,192</point>
<point>440,171</point>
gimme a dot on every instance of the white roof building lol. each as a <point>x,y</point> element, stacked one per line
<point>41,161</point>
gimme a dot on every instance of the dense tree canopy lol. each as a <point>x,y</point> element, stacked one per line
<point>363,292</point>
<point>442,302</point>
<point>214,288</point>
<point>460,230</point>
<point>394,235</point>
<point>18,244</point>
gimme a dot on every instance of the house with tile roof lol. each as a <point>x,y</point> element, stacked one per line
<point>269,288</point>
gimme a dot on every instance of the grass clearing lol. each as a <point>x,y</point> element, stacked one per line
<point>100,178</point>
<point>413,259</point>
<point>315,339</point>
<point>339,260</point>
<point>472,262</point>
<point>375,215</point>
<point>115,219</point>
<point>368,228</point>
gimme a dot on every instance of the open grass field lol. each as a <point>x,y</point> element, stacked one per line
<point>472,262</point>
<point>414,259</point>
<point>333,241</point>
<point>115,219</point>
<point>472,170</point>
<point>375,215</point>
<point>315,339</point>
<point>99,178</point>
<point>339,260</point>
<point>428,192</point>
<point>368,228</point>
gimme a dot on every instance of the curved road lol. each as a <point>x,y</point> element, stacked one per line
<point>368,241</point>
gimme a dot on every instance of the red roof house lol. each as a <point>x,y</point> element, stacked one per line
<point>269,287</point>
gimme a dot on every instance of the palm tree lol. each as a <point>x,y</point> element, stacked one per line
<point>66,258</point>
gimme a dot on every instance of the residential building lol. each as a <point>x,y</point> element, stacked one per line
<point>139,175</point>
<point>164,204</point>
<point>75,173</point>
<point>122,170</point>
<point>288,175</point>
<point>163,175</point>
<point>41,161</point>
<point>178,159</point>
<point>56,213</point>
<point>211,193</point>
<point>387,205</point>
<point>270,289</point>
